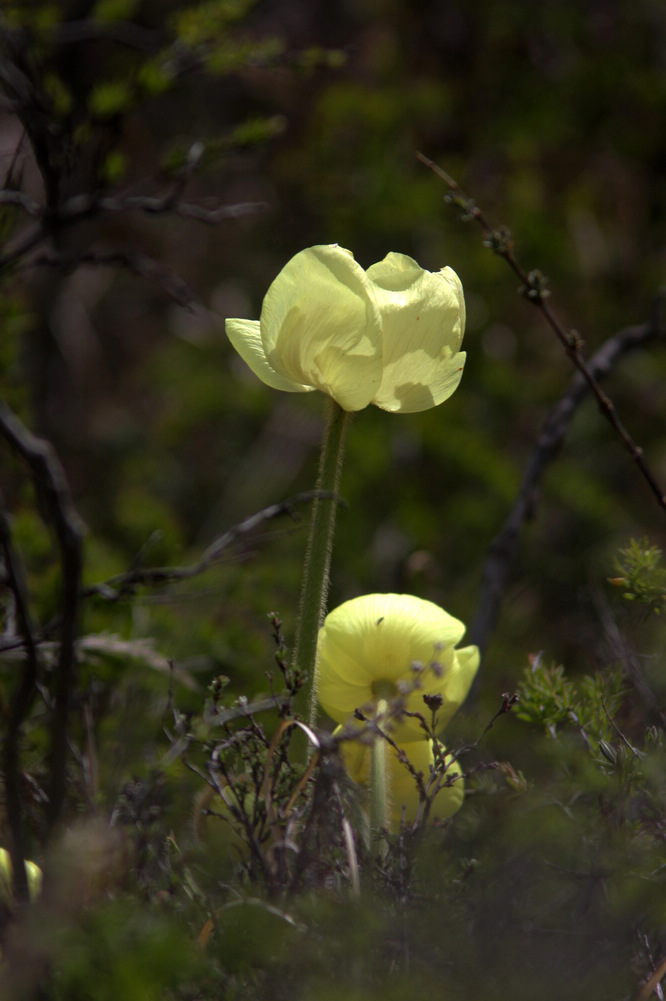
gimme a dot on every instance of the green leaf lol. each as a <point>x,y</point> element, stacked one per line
<point>109,11</point>
<point>110,98</point>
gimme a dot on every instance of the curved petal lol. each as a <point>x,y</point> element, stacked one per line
<point>337,690</point>
<point>245,335</point>
<point>388,632</point>
<point>320,326</point>
<point>423,318</point>
<point>453,686</point>
<point>405,396</point>
<point>467,661</point>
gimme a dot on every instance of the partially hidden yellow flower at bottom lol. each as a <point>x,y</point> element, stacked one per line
<point>32,870</point>
<point>403,791</point>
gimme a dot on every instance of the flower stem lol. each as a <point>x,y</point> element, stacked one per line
<point>378,784</point>
<point>318,559</point>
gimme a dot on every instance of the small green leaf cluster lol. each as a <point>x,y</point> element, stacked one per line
<point>205,22</point>
<point>641,574</point>
<point>549,698</point>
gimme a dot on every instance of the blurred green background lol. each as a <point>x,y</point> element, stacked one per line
<point>551,116</point>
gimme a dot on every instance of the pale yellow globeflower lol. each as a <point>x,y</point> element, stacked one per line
<point>389,335</point>
<point>403,791</point>
<point>386,646</point>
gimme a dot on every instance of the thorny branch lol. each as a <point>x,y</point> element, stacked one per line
<point>554,429</point>
<point>534,289</point>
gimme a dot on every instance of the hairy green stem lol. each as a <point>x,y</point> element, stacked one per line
<point>378,783</point>
<point>318,559</point>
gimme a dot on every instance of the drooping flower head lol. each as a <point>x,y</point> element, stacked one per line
<point>402,787</point>
<point>380,646</point>
<point>389,335</point>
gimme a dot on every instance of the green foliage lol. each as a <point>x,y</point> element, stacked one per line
<point>115,167</point>
<point>208,29</point>
<point>154,77</point>
<point>641,574</point>
<point>550,699</point>
<point>59,95</point>
<point>39,18</point>
<point>110,98</point>
<point>315,57</point>
<point>117,950</point>
<point>231,56</point>
<point>108,11</point>
<point>207,22</point>
<point>546,696</point>
<point>255,130</point>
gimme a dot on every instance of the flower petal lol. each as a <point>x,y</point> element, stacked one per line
<point>320,326</point>
<point>467,665</point>
<point>423,317</point>
<point>453,686</point>
<point>245,335</point>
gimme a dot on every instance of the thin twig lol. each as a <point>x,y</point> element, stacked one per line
<point>630,747</point>
<point>554,429</point>
<point>133,260</point>
<point>534,289</point>
<point>82,207</point>
<point>124,585</point>
<point>122,32</point>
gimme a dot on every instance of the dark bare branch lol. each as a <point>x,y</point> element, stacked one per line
<point>125,584</point>
<point>504,546</point>
<point>133,260</point>
<point>133,36</point>
<point>84,206</point>
<point>53,490</point>
<point>21,701</point>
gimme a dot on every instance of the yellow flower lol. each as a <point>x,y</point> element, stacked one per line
<point>402,788</point>
<point>380,646</point>
<point>33,872</point>
<point>389,335</point>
